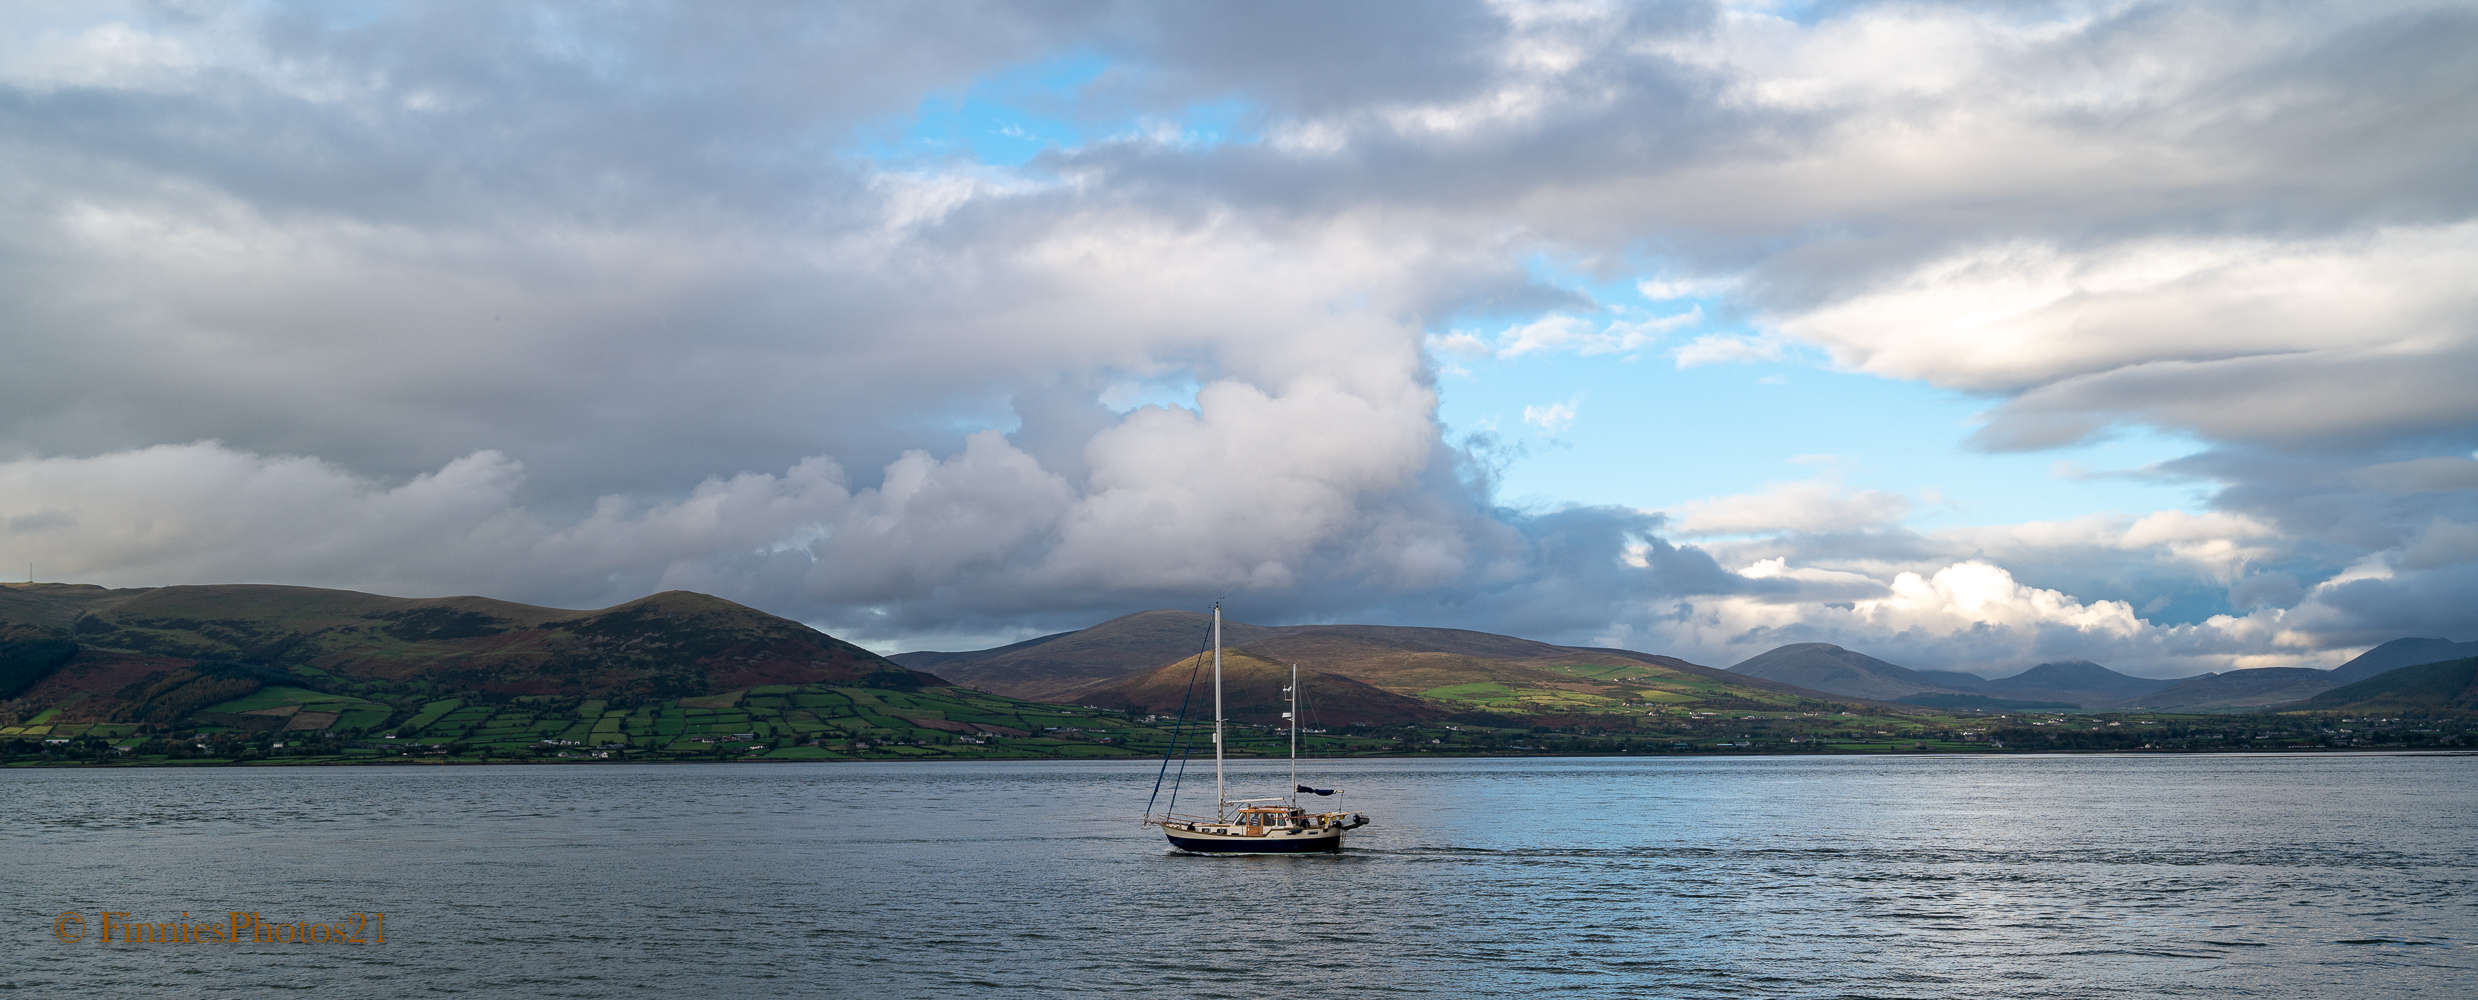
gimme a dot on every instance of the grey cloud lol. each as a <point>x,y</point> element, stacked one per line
<point>2318,496</point>
<point>2278,398</point>
<point>2275,590</point>
<point>1303,57</point>
<point>971,542</point>
<point>451,281</point>
<point>2372,611</point>
<point>2290,126</point>
<point>40,521</point>
<point>2438,474</point>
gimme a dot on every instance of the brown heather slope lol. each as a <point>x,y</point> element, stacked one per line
<point>1114,648</point>
<point>668,645</point>
<point>1414,660</point>
<point>1251,692</point>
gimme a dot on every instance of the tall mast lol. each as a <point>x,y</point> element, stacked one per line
<point>1294,714</point>
<point>1220,798</point>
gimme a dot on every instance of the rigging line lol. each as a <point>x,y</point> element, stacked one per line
<point>1176,731</point>
<point>1180,781</point>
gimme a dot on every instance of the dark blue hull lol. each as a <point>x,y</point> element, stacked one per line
<point>1257,845</point>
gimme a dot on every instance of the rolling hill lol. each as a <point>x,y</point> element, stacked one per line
<point>2400,653</point>
<point>161,654</point>
<point>2295,687</point>
<point>1148,639</point>
<point>2234,691</point>
<point>1120,646</point>
<point>1252,692</point>
<point>1955,679</point>
<point>2078,682</point>
<point>1822,666</point>
<point>2430,689</point>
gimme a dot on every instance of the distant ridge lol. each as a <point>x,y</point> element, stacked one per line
<point>2079,682</point>
<point>2446,688</point>
<point>1415,661</point>
<point>2082,684</point>
<point>1440,670</point>
<point>1822,666</point>
<point>1955,679</point>
<point>2401,653</point>
<point>2236,690</point>
<point>1122,645</point>
<point>2294,687</point>
<point>1252,692</point>
<point>1056,663</point>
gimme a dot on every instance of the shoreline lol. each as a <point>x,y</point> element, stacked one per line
<point>707,762</point>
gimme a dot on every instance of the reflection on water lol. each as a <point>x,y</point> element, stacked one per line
<point>1912,877</point>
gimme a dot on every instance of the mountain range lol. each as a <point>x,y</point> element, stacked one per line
<point>1437,671</point>
<point>158,656</point>
<point>2447,687</point>
<point>75,654</point>
<point>2082,684</point>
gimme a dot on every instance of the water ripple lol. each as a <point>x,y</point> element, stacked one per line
<point>1836,877</point>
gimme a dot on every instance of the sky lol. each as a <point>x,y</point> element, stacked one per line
<point>1970,336</point>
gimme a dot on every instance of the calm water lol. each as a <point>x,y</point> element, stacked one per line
<point>1838,877</point>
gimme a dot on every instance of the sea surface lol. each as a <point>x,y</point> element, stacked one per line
<point>2201,876</point>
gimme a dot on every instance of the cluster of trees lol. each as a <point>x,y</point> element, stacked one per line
<point>23,662</point>
<point>2237,732</point>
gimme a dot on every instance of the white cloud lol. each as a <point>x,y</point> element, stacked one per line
<point>1970,594</point>
<point>1562,332</point>
<point>1721,348</point>
<point>1461,345</point>
<point>1551,418</point>
<point>204,513</point>
<point>114,55</point>
<point>1671,288</point>
<point>1811,506</point>
<point>2211,546</point>
<point>1247,493</point>
<point>1970,615</point>
<point>2181,317</point>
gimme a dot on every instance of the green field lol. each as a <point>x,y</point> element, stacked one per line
<point>352,713</point>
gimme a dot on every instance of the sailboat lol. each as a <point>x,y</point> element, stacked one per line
<point>1277,825</point>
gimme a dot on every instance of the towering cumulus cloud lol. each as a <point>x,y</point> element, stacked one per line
<point>960,320</point>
